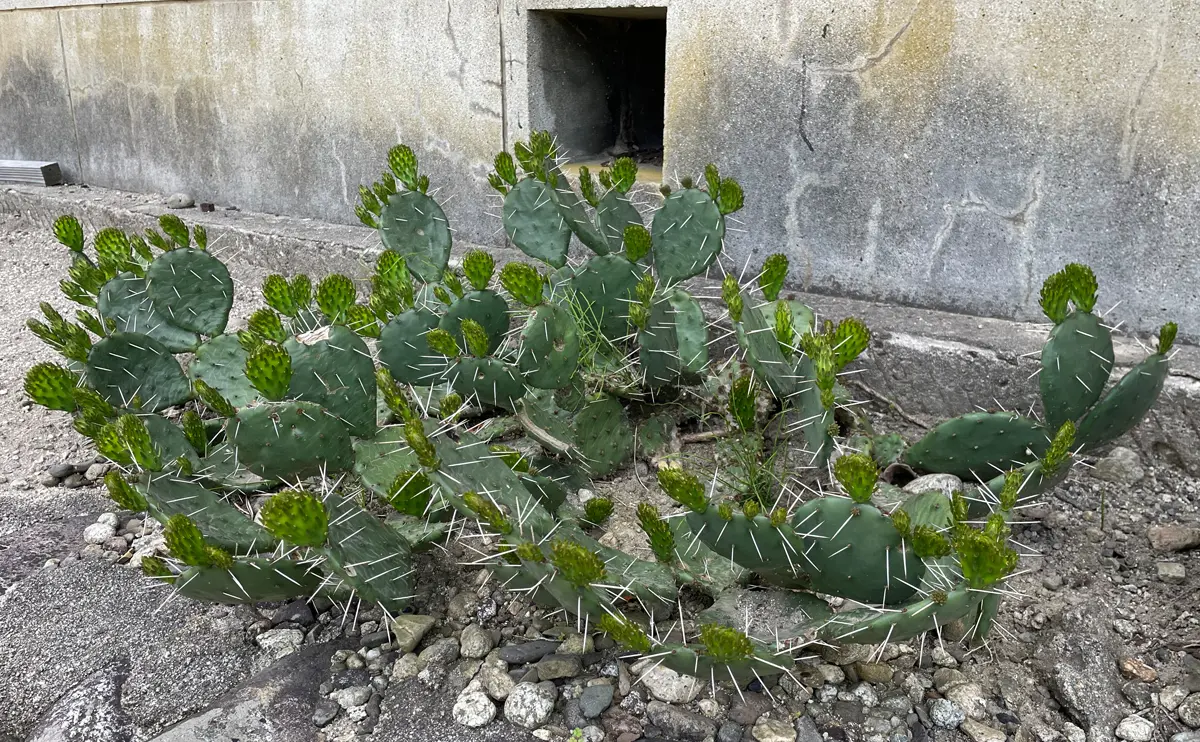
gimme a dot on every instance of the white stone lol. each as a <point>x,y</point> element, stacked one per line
<point>473,709</point>
<point>280,642</point>
<point>475,643</point>
<point>979,732</point>
<point>1135,729</point>
<point>665,684</point>
<point>529,705</point>
<point>773,730</point>
<point>110,519</point>
<point>354,696</point>
<point>1171,696</point>
<point>98,533</point>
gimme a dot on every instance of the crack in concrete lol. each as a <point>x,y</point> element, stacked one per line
<point>864,63</point>
<point>460,77</point>
<point>1130,133</point>
<point>1020,219</point>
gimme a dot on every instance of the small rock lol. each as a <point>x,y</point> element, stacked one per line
<point>806,730</point>
<point>1133,668</point>
<point>941,657</point>
<point>441,652</point>
<point>49,481</point>
<point>945,714</point>
<point>355,695</point>
<point>521,654</point>
<point>529,705</point>
<point>98,533</point>
<point>665,684</point>
<point>874,672</point>
<point>982,732</point>
<point>410,630</point>
<point>1052,582</point>
<point>679,723</point>
<point>1173,538</point>
<point>970,698</point>
<point>831,674</point>
<point>1120,466</point>
<point>947,484</point>
<point>473,709</point>
<point>406,667</point>
<point>865,695</point>
<point>117,544</point>
<point>1135,729</point>
<point>1073,733</point>
<point>462,606</point>
<point>749,707</point>
<point>475,642</point>
<point>1192,736</point>
<point>1140,694</point>
<point>180,200</point>
<point>1189,711</point>
<point>848,654</point>
<point>731,731</point>
<point>594,700</point>
<point>280,642</point>
<point>325,712</point>
<point>556,666</point>
<point>576,644</point>
<point>1172,573</point>
<point>773,730</point>
<point>95,472</point>
<point>61,471</point>
<point>1171,696</point>
<point>496,680</point>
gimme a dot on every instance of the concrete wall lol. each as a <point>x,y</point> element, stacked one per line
<point>941,153</point>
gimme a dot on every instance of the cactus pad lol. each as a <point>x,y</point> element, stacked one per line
<point>124,301</point>
<point>688,233</point>
<point>549,348</point>
<point>222,524</point>
<point>248,581</point>
<point>1125,404</point>
<point>614,216</point>
<point>52,386</point>
<point>978,444</point>
<point>414,225</point>
<point>192,288</point>
<point>333,368</point>
<point>533,224</point>
<point>159,381</point>
<point>673,347</point>
<point>488,380</point>
<point>605,285</point>
<point>485,307</point>
<point>1076,361</point>
<point>290,440</point>
<point>404,351</point>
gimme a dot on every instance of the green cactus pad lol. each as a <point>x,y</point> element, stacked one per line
<point>169,439</point>
<point>248,581</point>
<point>606,285</point>
<point>978,445</point>
<point>125,364</point>
<point>220,363</point>
<point>573,212</point>
<point>774,553</point>
<point>930,508</point>
<point>333,368</point>
<point>550,345</point>
<point>533,223</point>
<point>297,517</point>
<point>378,461</point>
<point>756,337</point>
<point>290,440</point>
<point>368,556</point>
<point>673,347</point>
<point>485,307</point>
<point>69,232</point>
<point>688,234</point>
<point>124,300</point>
<point>489,380</point>
<point>856,552</point>
<point>1076,362</point>
<point>192,288</point>
<point>404,351</point>
<point>1124,406</point>
<point>868,626</point>
<point>598,437</point>
<point>613,214</point>
<point>413,225</point>
<point>53,386</point>
<point>221,524</point>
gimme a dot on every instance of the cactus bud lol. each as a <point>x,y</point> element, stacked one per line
<point>362,321</point>
<point>488,512</point>
<point>213,399</point>
<point>1082,285</point>
<point>639,316</point>
<point>394,396</point>
<point>578,565</point>
<point>370,201</point>
<point>857,474</point>
<point>335,294</point>
<point>731,294</point>
<point>51,386</point>
<point>774,271</point>
<point>451,280</point>
<point>637,242</point>
<point>785,329</point>
<point>927,543</point>
<point>266,323</point>
<point>478,267</point>
<point>136,439</point>
<point>475,337</point>
<point>249,341</point>
<point>173,227</point>
<point>686,182</point>
<point>442,295</point>
<point>597,510</point>
<point>523,283</point>
<point>849,340</point>
<point>902,522</point>
<point>779,516</point>
<point>69,232</point>
<point>624,174</point>
<point>157,569</point>
<point>959,509</point>
<point>200,235</point>
<point>662,538</point>
<point>495,182</point>
<point>624,632</point>
<point>278,295</point>
<point>1060,451</point>
<point>1010,490</point>
<point>410,493</point>
<point>108,444</point>
<point>743,402</point>
<point>750,508</point>
<point>1166,337</point>
<point>442,342</point>
<point>725,645</point>
<point>530,552</point>
<point>587,187</point>
<point>123,493</point>
<point>712,178</point>
<point>1056,293</point>
<point>301,291</point>
<point>505,168</point>
<point>983,557</point>
<point>450,405</point>
<point>731,197</point>
<point>193,430</point>
<point>939,597</point>
<point>113,250</point>
<point>511,457</point>
<point>297,517</point>
<point>185,542</point>
<point>403,163</point>
<point>725,511</point>
<point>269,370</point>
<point>154,237</point>
<point>683,488</point>
<point>414,435</point>
<point>645,289</point>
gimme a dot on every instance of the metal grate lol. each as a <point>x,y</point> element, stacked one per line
<point>30,171</point>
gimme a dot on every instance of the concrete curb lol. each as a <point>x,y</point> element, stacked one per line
<point>933,364</point>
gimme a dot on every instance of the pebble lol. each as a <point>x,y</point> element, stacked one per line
<point>109,519</point>
<point>496,680</point>
<point>180,200</point>
<point>355,695</point>
<point>594,700</point>
<point>773,730</point>
<point>946,714</point>
<point>98,533</point>
<point>806,730</point>
<point>1192,736</point>
<point>49,481</point>
<point>475,643</point>
<point>473,709</point>
<point>95,472</point>
<point>1189,711</point>
<point>557,666</point>
<point>74,482</point>
<point>576,644</point>
<point>1173,538</point>
<point>1135,729</point>
<point>521,654</point>
<point>1073,733</point>
<point>665,684</point>
<point>529,705</point>
<point>325,712</point>
<point>979,732</point>
<point>875,672</point>
<point>1133,668</point>
<point>1172,573</point>
<point>61,471</point>
<point>1171,696</point>
<point>1120,466</point>
<point>410,630</point>
<point>679,723</point>
<point>731,731</point>
<point>831,674</point>
<point>406,667</point>
<point>280,642</point>
<point>441,652</point>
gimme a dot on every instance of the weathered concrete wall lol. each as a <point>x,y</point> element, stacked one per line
<point>940,153</point>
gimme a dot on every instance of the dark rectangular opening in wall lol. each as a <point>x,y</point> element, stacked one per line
<point>597,80</point>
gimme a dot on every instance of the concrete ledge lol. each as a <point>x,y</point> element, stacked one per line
<point>934,364</point>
